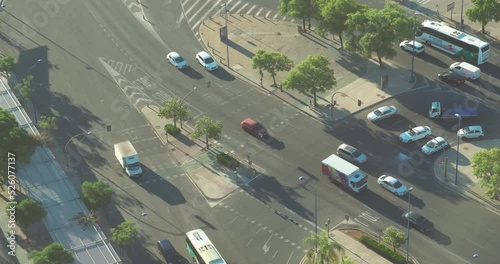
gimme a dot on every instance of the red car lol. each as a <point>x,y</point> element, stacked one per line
<point>254,128</point>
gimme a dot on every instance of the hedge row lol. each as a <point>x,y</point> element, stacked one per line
<point>228,161</point>
<point>172,130</point>
<point>383,250</point>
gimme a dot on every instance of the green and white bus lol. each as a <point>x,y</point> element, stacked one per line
<point>201,249</point>
<point>441,36</point>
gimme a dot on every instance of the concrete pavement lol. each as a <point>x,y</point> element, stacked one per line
<point>467,184</point>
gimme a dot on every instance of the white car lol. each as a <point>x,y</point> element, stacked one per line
<point>392,185</point>
<point>415,134</point>
<point>471,132</point>
<point>206,61</point>
<point>410,45</point>
<point>434,145</point>
<point>177,60</point>
<point>382,113</point>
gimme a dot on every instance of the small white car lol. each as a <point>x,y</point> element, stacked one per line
<point>415,134</point>
<point>392,185</point>
<point>471,132</point>
<point>206,61</point>
<point>177,60</point>
<point>434,145</point>
<point>382,113</point>
<point>410,45</point>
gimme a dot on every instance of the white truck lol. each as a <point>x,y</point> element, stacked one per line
<point>345,173</point>
<point>128,158</point>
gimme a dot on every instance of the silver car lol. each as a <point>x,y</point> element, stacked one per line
<point>351,153</point>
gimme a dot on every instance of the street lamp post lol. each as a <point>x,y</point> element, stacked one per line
<point>475,256</point>
<point>462,16</point>
<point>408,226</point>
<point>412,77</point>
<point>458,147</point>
<point>32,99</point>
<point>302,178</point>
<point>133,247</point>
<point>184,98</point>
<point>88,133</point>
<point>226,11</point>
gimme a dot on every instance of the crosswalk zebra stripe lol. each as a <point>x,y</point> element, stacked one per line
<point>234,6</point>
<point>249,11</point>
<point>258,12</point>
<point>268,13</point>
<point>275,16</point>
<point>191,8</point>
<point>199,10</point>
<point>204,16</point>
<point>239,10</point>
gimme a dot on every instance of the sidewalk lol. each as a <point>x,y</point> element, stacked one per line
<point>467,184</point>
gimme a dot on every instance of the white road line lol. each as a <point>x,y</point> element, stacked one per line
<point>290,257</point>
<point>369,217</point>
<point>267,14</point>
<point>360,222</point>
<point>474,243</point>
<point>199,10</point>
<point>249,241</point>
<point>275,16</point>
<point>239,10</point>
<point>234,6</point>
<point>206,14</point>
<point>249,11</point>
<point>234,219</point>
<point>258,12</point>
<point>191,8</point>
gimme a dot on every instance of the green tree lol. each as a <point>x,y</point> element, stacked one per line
<point>311,75</point>
<point>54,253</point>
<point>96,194</point>
<point>13,140</point>
<point>28,211</point>
<point>378,31</point>
<point>272,62</point>
<point>47,122</point>
<point>174,109</point>
<point>329,251</point>
<point>7,64</point>
<point>208,127</point>
<point>300,9</point>
<point>484,11</point>
<point>394,237</point>
<point>86,219</point>
<point>486,167</point>
<point>25,89</point>
<point>333,14</point>
<point>123,235</point>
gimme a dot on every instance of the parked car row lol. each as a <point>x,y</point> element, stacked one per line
<point>203,58</point>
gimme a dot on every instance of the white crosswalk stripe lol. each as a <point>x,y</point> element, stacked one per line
<point>366,218</point>
<point>196,11</point>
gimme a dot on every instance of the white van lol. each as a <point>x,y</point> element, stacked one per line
<point>465,69</point>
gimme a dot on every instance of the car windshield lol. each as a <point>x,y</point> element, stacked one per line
<point>356,153</point>
<point>432,144</point>
<point>257,127</point>
<point>467,130</point>
<point>178,59</point>
<point>377,112</point>
<point>397,185</point>
<point>411,132</point>
<point>209,60</point>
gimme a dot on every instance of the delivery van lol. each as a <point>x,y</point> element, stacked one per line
<point>469,71</point>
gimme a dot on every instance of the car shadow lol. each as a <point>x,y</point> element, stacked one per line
<point>192,73</point>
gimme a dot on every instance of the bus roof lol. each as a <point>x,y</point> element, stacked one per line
<point>204,246</point>
<point>455,33</point>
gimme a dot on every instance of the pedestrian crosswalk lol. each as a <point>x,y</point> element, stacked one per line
<point>366,218</point>
<point>197,11</point>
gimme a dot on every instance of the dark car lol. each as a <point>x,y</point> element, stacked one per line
<point>168,251</point>
<point>254,128</point>
<point>418,221</point>
<point>451,78</point>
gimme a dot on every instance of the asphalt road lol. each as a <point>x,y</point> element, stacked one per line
<point>115,47</point>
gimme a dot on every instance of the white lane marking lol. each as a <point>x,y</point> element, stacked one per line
<point>265,247</point>
<point>268,13</point>
<point>234,6</point>
<point>249,11</point>
<point>234,219</point>
<point>258,12</point>
<point>474,243</point>
<point>191,8</point>
<point>290,257</point>
<point>199,10</point>
<point>239,10</point>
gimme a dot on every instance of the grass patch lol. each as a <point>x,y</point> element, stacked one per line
<point>228,161</point>
<point>383,250</point>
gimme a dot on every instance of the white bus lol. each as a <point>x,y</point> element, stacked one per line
<point>468,48</point>
<point>201,249</point>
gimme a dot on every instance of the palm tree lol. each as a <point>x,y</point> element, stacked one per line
<point>329,251</point>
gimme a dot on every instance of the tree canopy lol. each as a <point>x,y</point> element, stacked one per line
<point>272,62</point>
<point>394,237</point>
<point>378,30</point>
<point>484,11</point>
<point>96,194</point>
<point>123,235</point>
<point>54,253</point>
<point>208,127</point>
<point>311,75</point>
<point>7,64</point>
<point>486,167</point>
<point>174,109</point>
<point>25,89</point>
<point>329,251</point>
<point>296,9</point>
<point>13,139</point>
<point>29,211</point>
<point>332,15</point>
